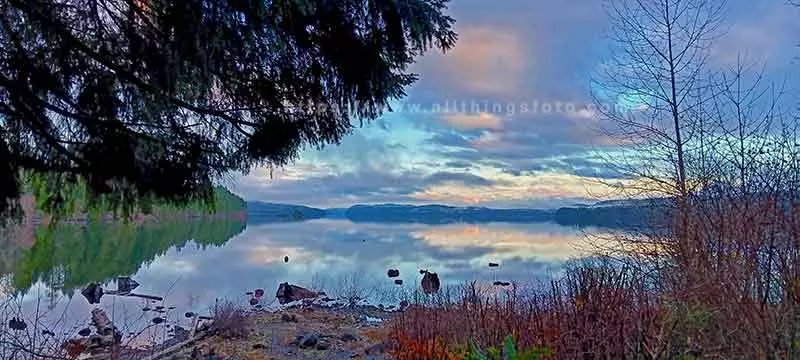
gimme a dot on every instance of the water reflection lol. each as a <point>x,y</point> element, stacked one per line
<point>192,263</point>
<point>72,255</point>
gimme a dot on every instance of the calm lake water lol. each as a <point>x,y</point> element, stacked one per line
<point>194,263</point>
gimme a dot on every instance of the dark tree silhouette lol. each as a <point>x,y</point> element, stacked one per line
<point>160,98</point>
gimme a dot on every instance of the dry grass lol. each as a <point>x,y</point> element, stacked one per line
<point>598,309</point>
<point>231,321</point>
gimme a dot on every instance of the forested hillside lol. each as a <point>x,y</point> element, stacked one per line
<point>73,200</point>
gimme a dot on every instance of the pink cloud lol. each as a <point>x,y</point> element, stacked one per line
<point>466,121</point>
<point>489,140</point>
<point>486,61</point>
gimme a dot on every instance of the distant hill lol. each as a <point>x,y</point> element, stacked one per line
<point>261,212</point>
<point>611,214</point>
<point>440,214</point>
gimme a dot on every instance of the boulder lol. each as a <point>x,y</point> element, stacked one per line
<point>393,273</point>
<point>430,282</point>
<point>288,293</point>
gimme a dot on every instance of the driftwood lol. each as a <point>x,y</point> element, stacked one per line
<point>193,337</point>
<point>94,292</point>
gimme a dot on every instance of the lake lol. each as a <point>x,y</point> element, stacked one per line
<point>194,263</point>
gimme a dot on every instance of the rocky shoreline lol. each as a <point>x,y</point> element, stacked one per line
<point>308,329</point>
<point>297,324</point>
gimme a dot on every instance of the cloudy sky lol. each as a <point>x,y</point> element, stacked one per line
<point>461,136</point>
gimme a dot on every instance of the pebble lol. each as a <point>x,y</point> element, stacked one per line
<point>308,341</point>
<point>323,345</point>
<point>376,349</point>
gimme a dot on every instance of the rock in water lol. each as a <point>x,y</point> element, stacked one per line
<point>125,285</point>
<point>93,293</point>
<point>286,259</point>
<point>430,282</point>
<point>17,324</point>
<point>398,282</point>
<point>491,264</point>
<point>288,293</point>
<point>393,273</point>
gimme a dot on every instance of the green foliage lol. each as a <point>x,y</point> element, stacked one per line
<point>62,196</point>
<point>69,256</point>
<point>509,352</point>
<point>161,98</point>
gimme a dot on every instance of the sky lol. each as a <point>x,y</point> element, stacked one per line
<point>501,120</point>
